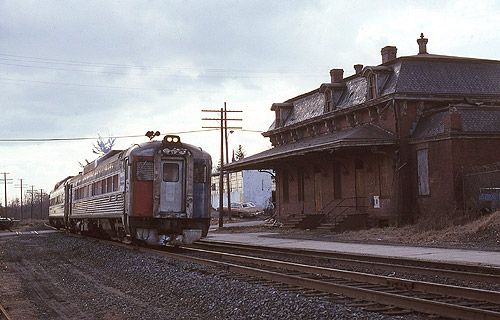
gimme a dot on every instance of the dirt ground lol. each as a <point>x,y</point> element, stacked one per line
<point>52,275</point>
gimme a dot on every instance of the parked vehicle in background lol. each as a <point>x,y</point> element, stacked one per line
<point>6,223</point>
<point>246,210</point>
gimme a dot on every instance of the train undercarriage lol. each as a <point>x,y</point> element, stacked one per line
<point>152,231</point>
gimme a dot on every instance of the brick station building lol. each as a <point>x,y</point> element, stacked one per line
<point>386,145</point>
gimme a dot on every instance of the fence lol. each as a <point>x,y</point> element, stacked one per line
<point>481,188</point>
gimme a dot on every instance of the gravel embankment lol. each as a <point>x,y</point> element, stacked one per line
<point>55,276</point>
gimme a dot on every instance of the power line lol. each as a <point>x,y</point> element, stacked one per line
<point>81,85</point>
<point>22,58</point>
<point>59,69</point>
<point>93,138</point>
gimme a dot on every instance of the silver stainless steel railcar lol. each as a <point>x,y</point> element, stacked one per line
<point>157,192</point>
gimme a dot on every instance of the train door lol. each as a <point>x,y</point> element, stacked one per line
<point>124,179</point>
<point>172,186</point>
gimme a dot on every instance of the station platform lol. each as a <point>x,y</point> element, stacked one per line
<point>463,256</point>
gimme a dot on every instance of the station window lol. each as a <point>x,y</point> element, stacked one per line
<point>423,172</point>
<point>329,105</point>
<point>372,86</point>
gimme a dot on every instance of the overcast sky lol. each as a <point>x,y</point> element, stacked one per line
<point>83,68</point>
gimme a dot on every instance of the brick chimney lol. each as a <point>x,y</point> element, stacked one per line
<point>337,75</point>
<point>422,44</point>
<point>388,53</point>
<point>358,68</point>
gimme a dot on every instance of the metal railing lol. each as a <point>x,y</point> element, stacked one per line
<point>339,216</point>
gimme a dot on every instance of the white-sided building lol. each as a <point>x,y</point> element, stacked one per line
<point>246,186</point>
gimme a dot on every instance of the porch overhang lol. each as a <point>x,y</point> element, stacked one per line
<point>363,136</point>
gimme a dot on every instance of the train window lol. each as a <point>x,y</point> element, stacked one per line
<point>94,189</point>
<point>170,172</point>
<point>103,186</point>
<point>115,182</point>
<point>109,184</point>
<point>145,170</point>
<point>200,173</point>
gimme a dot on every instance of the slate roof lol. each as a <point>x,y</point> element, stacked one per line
<point>475,120</point>
<point>431,74</point>
<point>366,135</point>
<point>425,74</point>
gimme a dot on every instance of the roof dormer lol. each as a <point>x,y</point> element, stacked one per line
<point>376,77</point>
<point>282,111</point>
<point>332,91</point>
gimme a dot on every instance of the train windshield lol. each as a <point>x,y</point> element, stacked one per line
<point>170,172</point>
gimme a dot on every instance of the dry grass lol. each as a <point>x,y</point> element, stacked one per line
<point>484,231</point>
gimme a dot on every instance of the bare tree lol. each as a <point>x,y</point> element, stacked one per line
<point>102,146</point>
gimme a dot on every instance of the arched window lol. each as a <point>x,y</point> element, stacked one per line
<point>372,86</point>
<point>329,105</point>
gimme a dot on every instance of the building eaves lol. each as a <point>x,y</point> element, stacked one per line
<point>366,135</point>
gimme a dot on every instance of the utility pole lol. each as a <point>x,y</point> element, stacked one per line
<point>223,128</point>
<point>5,181</point>
<point>228,175</point>
<point>32,192</point>
<point>41,204</point>
<point>21,185</point>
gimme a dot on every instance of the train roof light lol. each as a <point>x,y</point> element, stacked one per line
<point>171,139</point>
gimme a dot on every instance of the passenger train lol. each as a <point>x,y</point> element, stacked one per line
<point>157,192</point>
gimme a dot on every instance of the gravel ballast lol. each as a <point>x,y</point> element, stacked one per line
<point>56,276</point>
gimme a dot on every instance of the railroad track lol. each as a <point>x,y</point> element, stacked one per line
<point>388,295</point>
<point>460,272</point>
<point>374,292</point>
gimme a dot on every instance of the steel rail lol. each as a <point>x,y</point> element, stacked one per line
<point>418,304</point>
<point>412,303</point>
<point>410,285</point>
<point>451,270</point>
